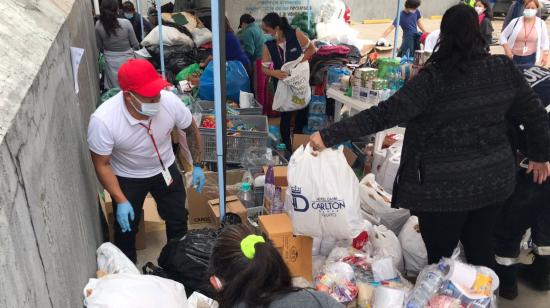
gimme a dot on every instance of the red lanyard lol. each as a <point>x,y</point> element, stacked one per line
<point>282,54</point>
<point>154,142</point>
<point>525,32</point>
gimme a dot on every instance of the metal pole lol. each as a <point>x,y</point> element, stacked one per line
<point>218,41</point>
<point>138,6</point>
<point>396,36</point>
<point>161,45</point>
<point>308,14</point>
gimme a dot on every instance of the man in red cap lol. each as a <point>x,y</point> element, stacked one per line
<point>129,137</point>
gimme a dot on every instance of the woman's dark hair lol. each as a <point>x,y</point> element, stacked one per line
<point>246,19</point>
<point>460,41</point>
<point>487,6</point>
<point>108,16</point>
<point>412,4</point>
<point>228,26</point>
<point>273,20</point>
<point>256,282</point>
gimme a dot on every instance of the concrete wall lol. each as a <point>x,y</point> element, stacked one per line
<point>49,219</point>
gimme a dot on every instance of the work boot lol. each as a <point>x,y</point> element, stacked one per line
<point>538,274</point>
<point>508,281</point>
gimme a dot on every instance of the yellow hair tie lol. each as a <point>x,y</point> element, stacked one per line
<point>248,245</point>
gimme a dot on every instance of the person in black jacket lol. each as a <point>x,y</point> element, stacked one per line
<point>129,12</point>
<point>527,208</point>
<point>485,16</point>
<point>457,167</point>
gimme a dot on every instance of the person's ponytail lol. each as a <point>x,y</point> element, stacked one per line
<point>285,25</point>
<point>255,282</point>
<point>109,16</point>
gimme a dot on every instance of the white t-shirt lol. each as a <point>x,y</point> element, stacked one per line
<point>113,131</point>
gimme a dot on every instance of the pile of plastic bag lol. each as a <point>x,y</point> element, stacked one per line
<point>451,283</point>
<point>121,285</point>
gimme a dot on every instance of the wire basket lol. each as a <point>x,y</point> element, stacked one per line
<point>236,144</point>
<point>208,107</point>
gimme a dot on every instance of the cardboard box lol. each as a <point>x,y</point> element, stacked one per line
<point>280,173</point>
<point>295,250</point>
<point>107,208</point>
<point>197,203</point>
<point>233,205</point>
<point>299,140</point>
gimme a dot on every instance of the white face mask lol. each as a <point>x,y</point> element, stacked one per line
<point>412,11</point>
<point>479,10</point>
<point>147,109</point>
<point>530,12</point>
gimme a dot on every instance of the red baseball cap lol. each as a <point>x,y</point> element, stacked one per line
<point>140,76</point>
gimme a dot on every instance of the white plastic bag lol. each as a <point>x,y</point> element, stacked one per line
<point>293,93</point>
<point>377,202</point>
<point>201,36</point>
<point>414,249</point>
<point>113,261</point>
<point>386,244</point>
<point>322,198</point>
<point>199,300</point>
<point>134,291</point>
<point>170,37</point>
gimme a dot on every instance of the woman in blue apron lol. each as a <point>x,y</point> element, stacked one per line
<point>288,44</point>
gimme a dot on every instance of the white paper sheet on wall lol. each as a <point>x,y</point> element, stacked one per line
<point>76,56</point>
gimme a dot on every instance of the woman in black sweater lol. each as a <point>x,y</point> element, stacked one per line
<point>457,167</point>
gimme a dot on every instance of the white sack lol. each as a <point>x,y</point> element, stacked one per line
<point>377,202</point>
<point>386,244</point>
<point>112,260</point>
<point>414,249</point>
<point>199,300</point>
<point>134,291</point>
<point>201,36</point>
<point>170,37</point>
<point>293,93</point>
<point>322,198</point>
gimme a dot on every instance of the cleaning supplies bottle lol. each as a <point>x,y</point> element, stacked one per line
<point>245,195</point>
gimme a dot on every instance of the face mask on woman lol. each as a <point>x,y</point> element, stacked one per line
<point>479,10</point>
<point>129,15</point>
<point>530,12</point>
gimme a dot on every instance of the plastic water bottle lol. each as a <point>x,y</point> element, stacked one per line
<point>245,195</point>
<point>428,287</point>
<point>281,149</point>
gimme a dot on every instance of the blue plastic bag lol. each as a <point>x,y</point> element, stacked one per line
<point>337,72</point>
<point>236,80</point>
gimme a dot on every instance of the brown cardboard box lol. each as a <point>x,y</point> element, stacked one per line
<point>233,205</point>
<point>107,208</point>
<point>197,203</point>
<point>280,173</point>
<point>295,250</point>
<point>298,140</point>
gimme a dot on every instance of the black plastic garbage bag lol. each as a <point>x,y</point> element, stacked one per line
<point>186,260</point>
<point>177,57</point>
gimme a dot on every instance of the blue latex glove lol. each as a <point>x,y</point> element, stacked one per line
<point>198,178</point>
<point>123,211</point>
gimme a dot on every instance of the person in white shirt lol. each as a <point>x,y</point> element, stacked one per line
<point>129,137</point>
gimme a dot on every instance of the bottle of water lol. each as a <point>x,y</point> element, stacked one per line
<point>245,195</point>
<point>428,287</point>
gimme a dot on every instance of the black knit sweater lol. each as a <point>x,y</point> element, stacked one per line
<point>456,154</point>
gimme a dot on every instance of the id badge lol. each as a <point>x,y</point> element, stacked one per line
<point>525,49</point>
<point>167,177</point>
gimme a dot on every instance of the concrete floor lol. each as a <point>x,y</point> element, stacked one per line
<point>528,298</point>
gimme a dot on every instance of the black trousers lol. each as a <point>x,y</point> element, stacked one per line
<point>170,205</point>
<point>286,121</point>
<point>528,207</point>
<point>441,232</point>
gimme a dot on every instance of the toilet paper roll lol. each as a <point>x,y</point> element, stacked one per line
<point>385,297</point>
<point>390,167</point>
<point>378,159</point>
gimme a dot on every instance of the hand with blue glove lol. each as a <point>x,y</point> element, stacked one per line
<point>198,178</point>
<point>123,211</point>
